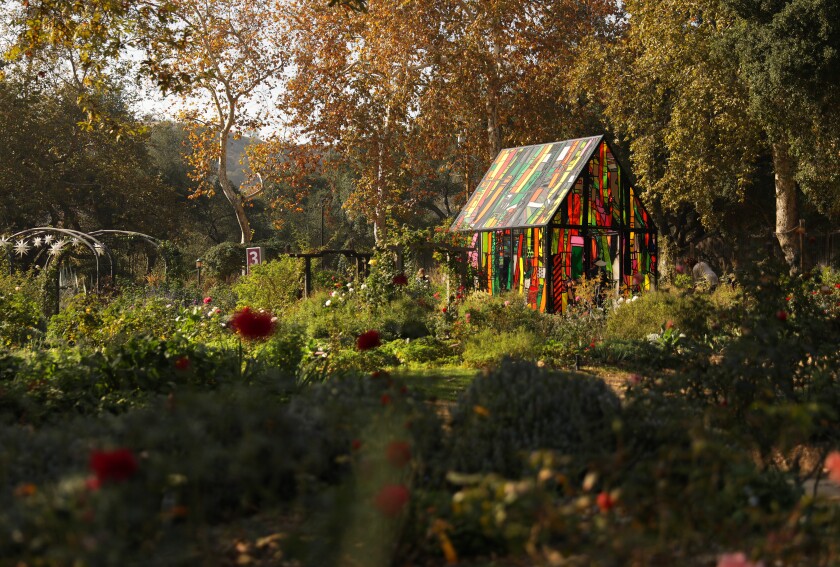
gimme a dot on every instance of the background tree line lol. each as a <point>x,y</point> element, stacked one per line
<point>386,114</point>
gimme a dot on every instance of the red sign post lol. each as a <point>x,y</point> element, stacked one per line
<point>253,256</point>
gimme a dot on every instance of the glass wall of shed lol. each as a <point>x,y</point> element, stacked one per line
<point>513,260</point>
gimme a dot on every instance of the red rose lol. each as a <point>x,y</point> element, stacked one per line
<point>252,325</point>
<point>113,466</point>
<point>443,310</point>
<point>391,499</point>
<point>605,502</point>
<point>207,300</point>
<point>183,363</point>
<point>368,340</point>
<point>398,453</point>
<point>781,315</point>
<point>400,279</point>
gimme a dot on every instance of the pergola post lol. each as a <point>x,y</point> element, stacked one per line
<point>307,276</point>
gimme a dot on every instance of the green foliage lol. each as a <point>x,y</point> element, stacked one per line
<point>351,359</point>
<point>20,309</point>
<point>225,260</point>
<point>284,350</point>
<point>520,408</point>
<point>489,347</point>
<point>273,285</point>
<point>647,314</point>
<point>423,350</point>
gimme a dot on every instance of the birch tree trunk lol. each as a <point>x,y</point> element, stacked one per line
<point>233,197</point>
<point>787,212</point>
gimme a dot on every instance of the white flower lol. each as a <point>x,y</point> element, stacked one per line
<point>635,297</point>
<point>350,290</point>
<point>327,304</point>
<point>349,284</point>
<point>363,286</point>
<point>653,337</point>
<point>333,294</point>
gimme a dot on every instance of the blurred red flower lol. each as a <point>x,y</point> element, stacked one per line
<point>113,466</point>
<point>605,501</point>
<point>398,453</point>
<point>183,363</point>
<point>781,315</point>
<point>368,340</point>
<point>832,464</point>
<point>207,300</point>
<point>392,499</point>
<point>736,560</point>
<point>252,325</point>
<point>385,399</point>
<point>400,279</point>
<point>355,444</point>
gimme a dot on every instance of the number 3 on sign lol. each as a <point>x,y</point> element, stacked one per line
<point>253,256</point>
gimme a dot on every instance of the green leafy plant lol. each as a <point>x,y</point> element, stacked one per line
<point>519,408</point>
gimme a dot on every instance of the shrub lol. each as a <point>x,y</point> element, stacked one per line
<point>274,285</point>
<point>20,309</point>
<point>520,408</point>
<point>284,350</point>
<point>422,350</point>
<point>489,347</point>
<point>350,359</point>
<point>225,260</point>
<point>78,322</point>
<point>402,318</point>
<point>646,314</point>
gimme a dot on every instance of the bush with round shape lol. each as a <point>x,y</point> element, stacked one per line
<point>519,408</point>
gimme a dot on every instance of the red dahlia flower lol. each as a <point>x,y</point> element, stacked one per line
<point>391,499</point>
<point>113,466</point>
<point>252,325</point>
<point>368,340</point>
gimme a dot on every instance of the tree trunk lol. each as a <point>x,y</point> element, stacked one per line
<point>494,130</point>
<point>787,213</point>
<point>379,217</point>
<point>233,197</point>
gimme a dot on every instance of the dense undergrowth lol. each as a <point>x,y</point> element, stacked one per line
<point>133,423</point>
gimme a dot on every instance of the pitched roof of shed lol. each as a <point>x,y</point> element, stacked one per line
<point>525,186</point>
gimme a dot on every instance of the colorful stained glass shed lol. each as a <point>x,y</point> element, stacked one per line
<point>545,215</point>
